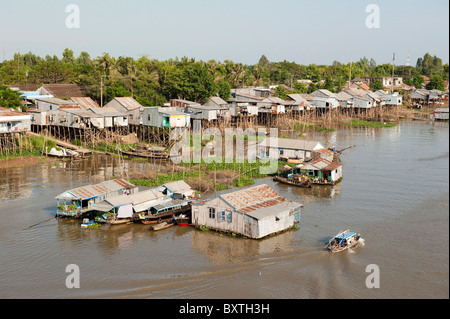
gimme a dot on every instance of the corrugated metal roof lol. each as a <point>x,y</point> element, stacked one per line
<point>81,112</point>
<point>98,189</point>
<point>108,111</point>
<point>7,112</point>
<point>54,100</point>
<point>320,164</point>
<point>128,102</point>
<point>178,186</point>
<point>136,198</point>
<point>273,210</point>
<point>85,102</point>
<point>253,198</point>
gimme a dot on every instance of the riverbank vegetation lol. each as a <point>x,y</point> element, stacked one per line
<point>363,123</point>
<point>206,175</point>
<point>153,82</point>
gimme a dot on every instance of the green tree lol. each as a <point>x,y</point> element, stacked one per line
<point>10,98</point>
<point>224,90</point>
<point>376,85</point>
<point>263,61</point>
<point>418,81</point>
<point>116,89</point>
<point>300,87</point>
<point>436,82</point>
<point>281,92</point>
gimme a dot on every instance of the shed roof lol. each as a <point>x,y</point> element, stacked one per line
<point>321,164</point>
<point>94,190</point>
<point>85,102</point>
<point>136,198</point>
<point>299,98</point>
<point>179,187</point>
<point>56,101</point>
<point>128,102</point>
<point>258,201</point>
<point>218,100</point>
<point>108,111</point>
<point>65,90</point>
<point>9,114</point>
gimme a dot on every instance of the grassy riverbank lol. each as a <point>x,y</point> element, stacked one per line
<point>362,123</point>
<point>206,176</point>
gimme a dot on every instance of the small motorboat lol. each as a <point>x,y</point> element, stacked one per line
<point>343,240</point>
<point>87,222</point>
<point>182,219</point>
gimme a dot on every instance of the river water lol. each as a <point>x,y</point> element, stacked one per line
<point>395,192</point>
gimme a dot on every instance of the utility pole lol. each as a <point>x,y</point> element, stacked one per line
<point>392,80</point>
<point>101,89</point>
<point>350,74</point>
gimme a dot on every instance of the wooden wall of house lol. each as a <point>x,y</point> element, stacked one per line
<point>240,223</point>
<point>275,223</point>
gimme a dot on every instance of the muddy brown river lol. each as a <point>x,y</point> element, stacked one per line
<point>395,192</point>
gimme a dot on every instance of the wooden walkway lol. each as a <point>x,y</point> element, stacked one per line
<point>79,149</point>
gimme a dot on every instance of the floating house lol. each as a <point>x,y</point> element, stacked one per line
<point>288,149</point>
<point>138,202</point>
<point>254,212</point>
<point>320,171</point>
<point>77,201</point>
<point>13,121</point>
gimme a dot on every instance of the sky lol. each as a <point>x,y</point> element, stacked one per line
<point>304,32</point>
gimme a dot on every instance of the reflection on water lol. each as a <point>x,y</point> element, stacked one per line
<point>378,197</point>
<point>222,249</point>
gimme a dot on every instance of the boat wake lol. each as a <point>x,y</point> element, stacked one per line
<point>361,243</point>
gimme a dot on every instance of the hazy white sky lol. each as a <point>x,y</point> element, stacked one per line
<point>294,30</point>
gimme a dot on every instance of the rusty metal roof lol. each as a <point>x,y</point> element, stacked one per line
<point>85,102</point>
<point>253,198</point>
<point>7,112</point>
<point>321,164</point>
<point>98,189</point>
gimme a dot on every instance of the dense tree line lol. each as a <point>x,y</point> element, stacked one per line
<point>154,82</point>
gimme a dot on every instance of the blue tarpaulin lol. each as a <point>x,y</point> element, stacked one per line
<point>345,236</point>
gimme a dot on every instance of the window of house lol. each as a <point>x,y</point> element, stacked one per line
<point>221,216</point>
<point>212,212</point>
<point>229,217</point>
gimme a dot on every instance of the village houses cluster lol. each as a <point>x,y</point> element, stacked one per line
<point>68,105</point>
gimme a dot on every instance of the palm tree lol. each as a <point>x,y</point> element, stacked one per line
<point>237,74</point>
